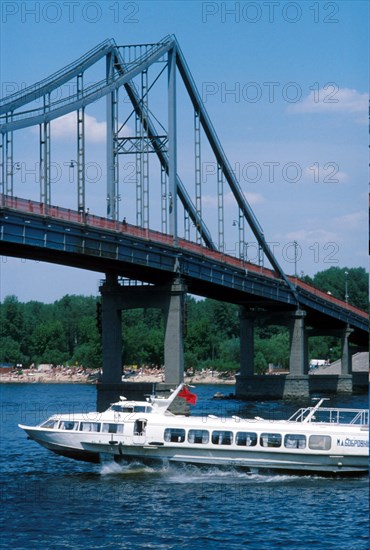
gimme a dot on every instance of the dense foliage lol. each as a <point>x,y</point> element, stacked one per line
<point>334,279</point>
<point>68,332</point>
<point>65,331</point>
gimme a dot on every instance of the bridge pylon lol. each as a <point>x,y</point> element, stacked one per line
<point>298,382</point>
<point>170,298</point>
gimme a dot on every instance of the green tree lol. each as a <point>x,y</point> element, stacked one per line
<point>336,279</point>
<point>199,340</point>
<point>88,356</point>
<point>12,324</point>
<point>49,343</point>
<point>275,349</point>
<point>260,363</point>
<point>142,336</point>
<point>10,351</point>
<point>88,353</point>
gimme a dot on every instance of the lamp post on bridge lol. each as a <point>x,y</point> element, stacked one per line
<point>295,258</point>
<point>10,168</point>
<point>15,167</point>
<point>81,203</point>
<point>243,245</point>
<point>346,287</point>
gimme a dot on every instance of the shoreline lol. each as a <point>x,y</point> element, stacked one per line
<point>35,377</point>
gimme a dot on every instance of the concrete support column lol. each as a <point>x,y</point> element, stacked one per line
<point>346,352</point>
<point>170,297</point>
<point>173,339</point>
<point>111,333</point>
<point>247,320</point>
<point>298,361</point>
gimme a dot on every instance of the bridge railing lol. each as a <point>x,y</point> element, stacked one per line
<point>92,220</point>
<point>100,222</point>
<point>325,296</point>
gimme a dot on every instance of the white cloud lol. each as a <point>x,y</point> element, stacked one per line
<point>352,221</point>
<point>254,198</point>
<point>65,128</point>
<point>333,100</point>
<point>326,173</point>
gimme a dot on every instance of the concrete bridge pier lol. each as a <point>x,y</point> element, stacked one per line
<point>247,320</point>
<point>296,383</point>
<point>346,352</point>
<point>335,383</point>
<point>115,298</point>
<point>111,332</point>
<point>345,379</point>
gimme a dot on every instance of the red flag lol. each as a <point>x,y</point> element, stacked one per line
<point>188,396</point>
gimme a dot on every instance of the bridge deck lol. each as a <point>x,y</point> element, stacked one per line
<point>308,295</point>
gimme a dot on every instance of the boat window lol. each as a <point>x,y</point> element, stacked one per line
<point>112,428</point>
<point>198,436</point>
<point>121,409</point>
<point>142,409</point>
<point>220,437</point>
<point>270,440</point>
<point>68,425</point>
<point>295,441</point>
<point>319,442</point>
<point>174,435</point>
<point>131,408</point>
<point>49,424</point>
<point>246,439</point>
<point>90,427</point>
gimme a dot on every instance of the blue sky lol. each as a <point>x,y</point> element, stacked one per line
<point>285,85</point>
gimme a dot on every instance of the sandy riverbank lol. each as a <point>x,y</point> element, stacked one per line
<point>201,378</point>
<point>62,376</point>
<point>71,376</point>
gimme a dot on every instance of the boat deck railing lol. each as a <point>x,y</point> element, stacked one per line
<point>332,415</point>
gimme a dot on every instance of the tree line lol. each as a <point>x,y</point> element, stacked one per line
<point>67,331</point>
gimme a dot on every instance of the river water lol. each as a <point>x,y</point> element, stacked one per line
<point>49,501</point>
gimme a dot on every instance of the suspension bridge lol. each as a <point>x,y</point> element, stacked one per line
<point>147,258</point>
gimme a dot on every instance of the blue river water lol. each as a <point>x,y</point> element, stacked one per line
<point>49,501</point>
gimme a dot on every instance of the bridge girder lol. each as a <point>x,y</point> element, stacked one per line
<point>54,240</point>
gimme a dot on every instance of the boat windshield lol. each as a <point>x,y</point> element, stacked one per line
<point>130,408</point>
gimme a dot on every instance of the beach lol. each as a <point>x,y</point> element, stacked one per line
<point>75,375</point>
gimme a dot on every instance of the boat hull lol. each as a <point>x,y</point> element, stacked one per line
<point>71,446</point>
<point>252,461</point>
<point>57,444</point>
<point>260,468</point>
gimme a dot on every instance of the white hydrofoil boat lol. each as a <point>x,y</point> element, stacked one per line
<point>314,440</point>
